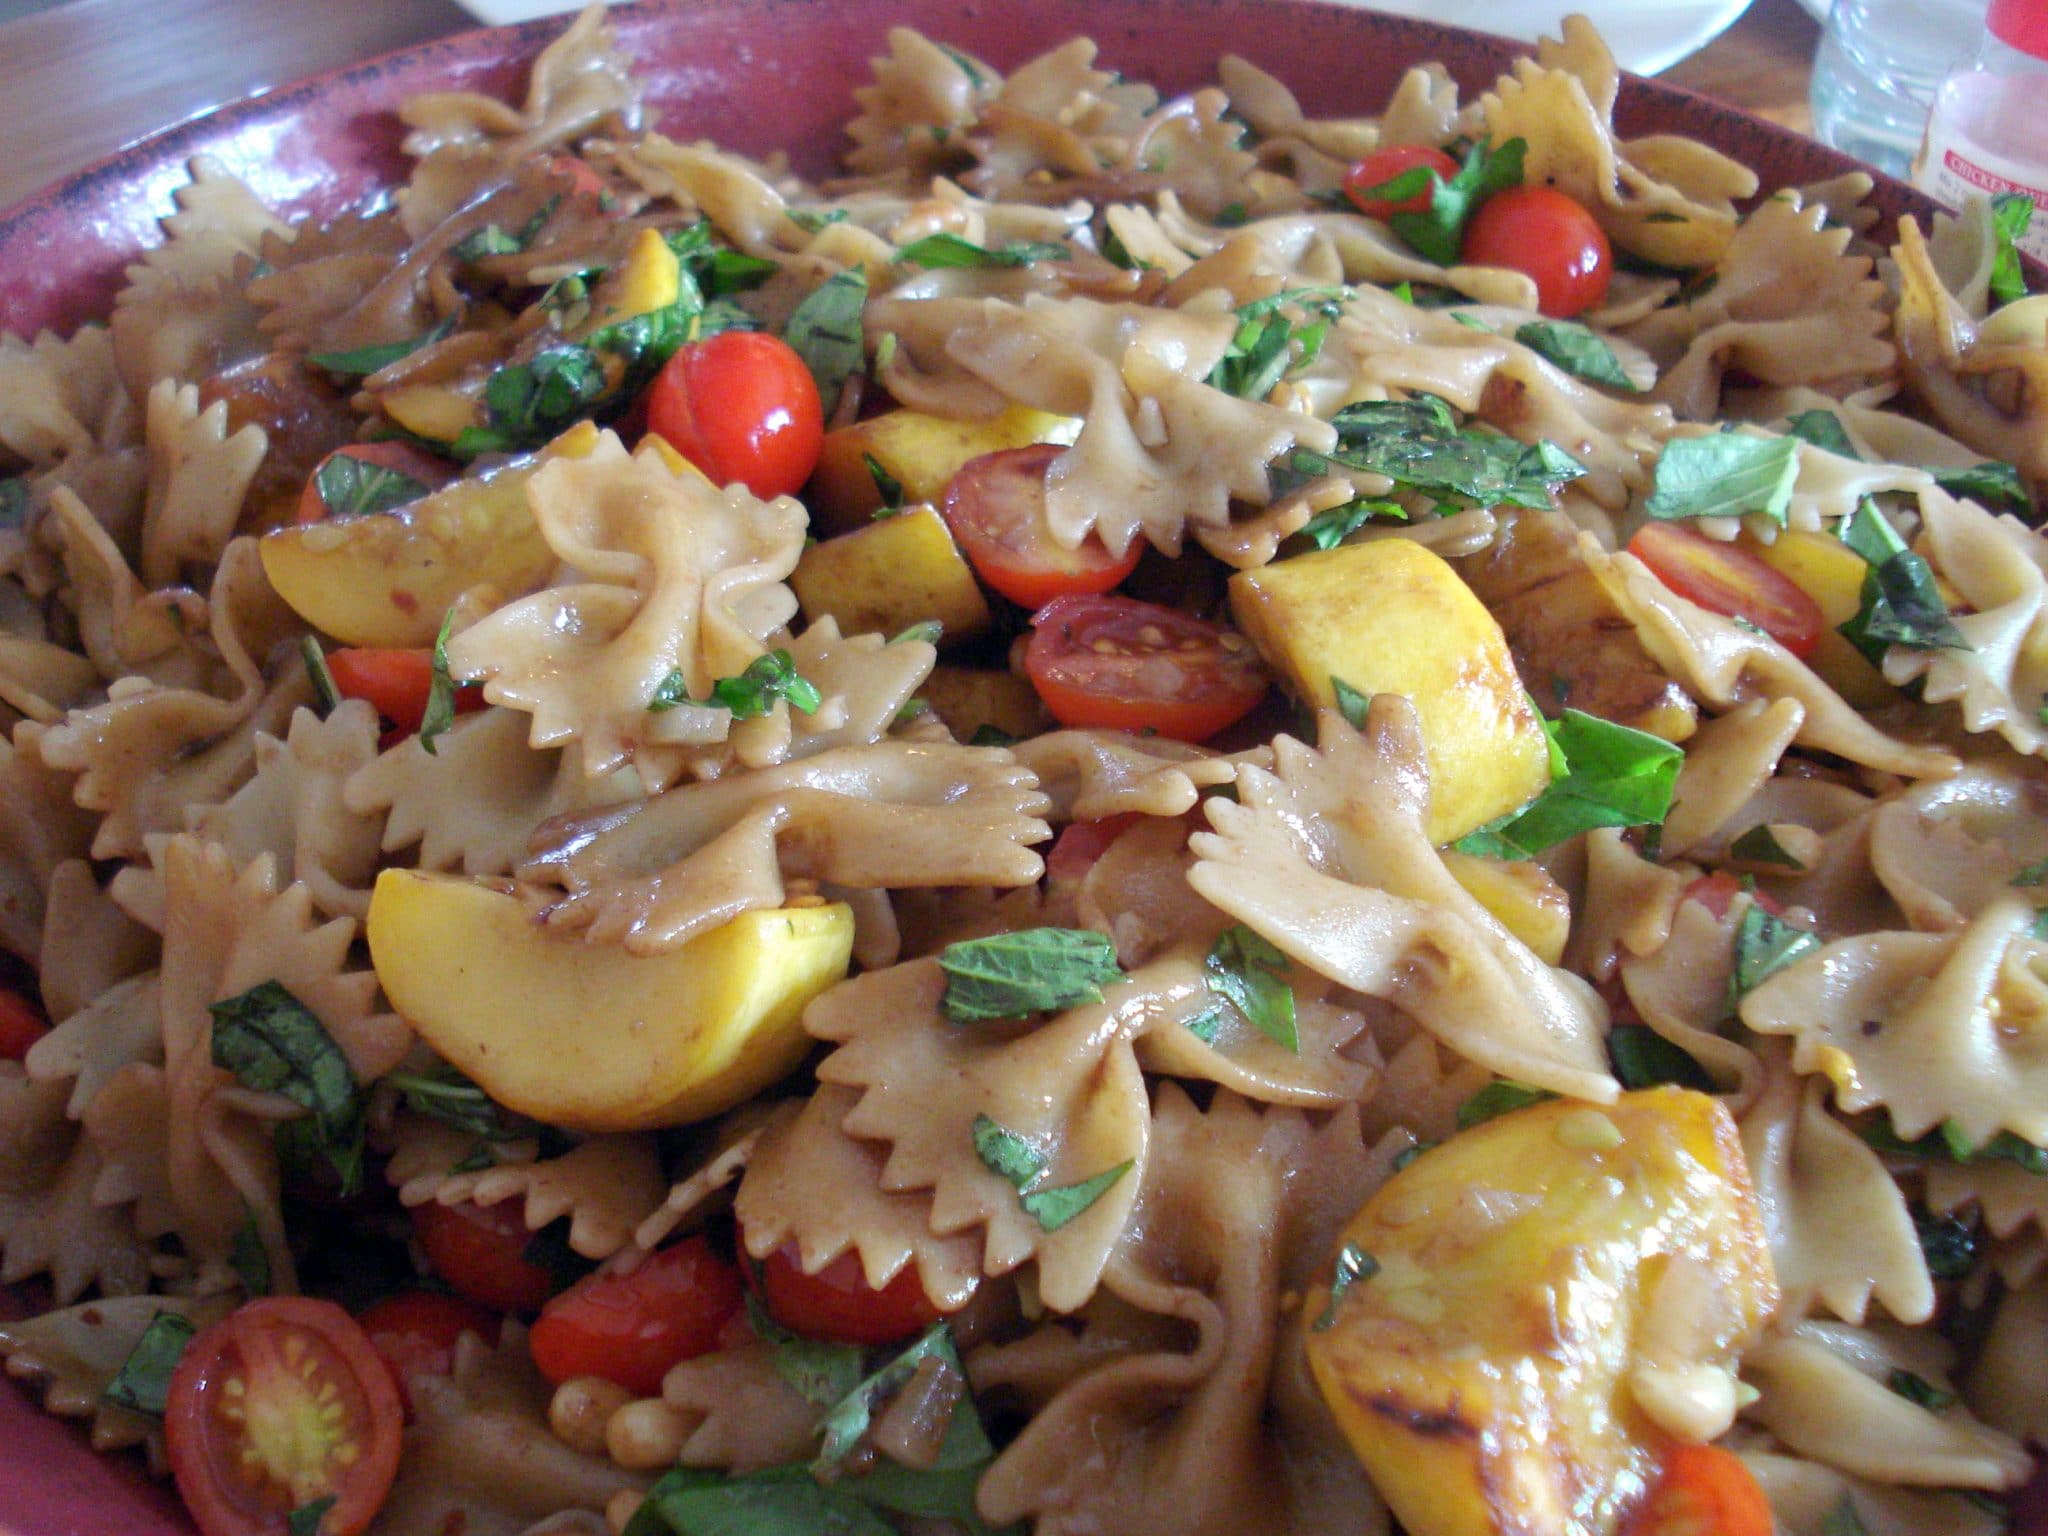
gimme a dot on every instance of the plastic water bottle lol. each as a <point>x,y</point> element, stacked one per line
<point>1985,132</point>
<point>1879,64</point>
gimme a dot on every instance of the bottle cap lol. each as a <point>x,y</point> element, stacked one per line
<point>2021,24</point>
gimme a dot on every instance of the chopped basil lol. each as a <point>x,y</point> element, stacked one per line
<point>1613,776</point>
<point>1901,602</point>
<point>1232,215</point>
<point>719,271</point>
<point>143,1383</point>
<point>1205,1026</point>
<point>487,241</point>
<point>1439,231</point>
<point>944,250</point>
<point>1948,1244</point>
<point>1117,254</point>
<point>305,1520</point>
<point>1919,1391</point>
<point>1250,974</point>
<point>2033,875</point>
<point>364,361</point>
<point>986,735</point>
<point>326,694</point>
<point>1419,444</point>
<point>14,502</point>
<point>1499,1097</point>
<point>274,1043</point>
<point>1823,429</point>
<point>887,486</point>
<point>930,631</point>
<point>1326,530</point>
<point>1408,1155</point>
<point>1035,970</point>
<point>1351,703</point>
<point>1019,1164</point>
<point>1353,1265</point>
<point>782,1501</point>
<point>825,330</point>
<point>1642,1058</point>
<point>821,1373</point>
<point>528,403</point>
<point>250,1260</point>
<point>976,75</point>
<point>1843,1520</point>
<point>1578,350</point>
<point>1947,1143</point>
<point>439,714</point>
<point>1269,344</point>
<point>1994,483</point>
<point>1764,943</point>
<point>1760,845</point>
<point>353,487</point>
<point>1724,474</point>
<point>2011,213</point>
<point>751,694</point>
<point>549,1249</point>
<point>442,1093</point>
<point>811,220</point>
<point>849,1419</point>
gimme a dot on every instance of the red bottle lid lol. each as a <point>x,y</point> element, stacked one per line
<point>2021,24</point>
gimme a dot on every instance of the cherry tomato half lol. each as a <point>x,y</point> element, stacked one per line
<point>1382,166</point>
<point>740,405</point>
<point>1703,1491</point>
<point>280,1404</point>
<point>1081,843</point>
<point>415,464</point>
<point>631,1327</point>
<point>995,506</point>
<point>397,683</point>
<point>1727,579</point>
<point>480,1250</point>
<point>839,1305</point>
<point>414,1333</point>
<point>21,1025</point>
<point>1123,665</point>
<point>1540,231</point>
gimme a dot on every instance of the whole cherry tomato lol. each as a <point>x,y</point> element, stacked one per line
<point>1383,166</point>
<point>838,1304</point>
<point>1540,231</point>
<point>480,1250</point>
<point>631,1327</point>
<point>1725,578</point>
<point>21,1025</point>
<point>741,406</point>
<point>1122,665</point>
<point>995,506</point>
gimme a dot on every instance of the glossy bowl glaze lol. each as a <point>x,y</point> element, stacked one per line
<point>757,75</point>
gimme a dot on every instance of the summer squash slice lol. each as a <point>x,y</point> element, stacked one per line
<point>916,453</point>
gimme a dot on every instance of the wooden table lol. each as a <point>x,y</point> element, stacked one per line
<point>91,75</point>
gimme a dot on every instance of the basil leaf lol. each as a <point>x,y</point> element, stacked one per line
<point>1419,444</point>
<point>1250,974</point>
<point>1018,1163</point>
<point>143,1384</point>
<point>1351,704</point>
<point>1642,1058</point>
<point>14,502</point>
<point>944,250</point>
<point>1269,344</point>
<point>1823,429</point>
<point>487,241</point>
<point>1870,534</point>
<point>1438,232</point>
<point>1946,1143</point>
<point>1901,603</point>
<point>1408,1155</point>
<point>527,403</point>
<point>825,332</point>
<point>1764,944</point>
<point>1326,530</point>
<point>439,714</point>
<point>811,220</point>
<point>1501,1096</point>
<point>1994,483</point>
<point>353,487</point>
<point>1843,1520</point>
<point>976,75</point>
<point>750,695</point>
<point>1117,254</point>
<point>305,1520</point>
<point>930,631</point>
<point>1036,970</point>
<point>1006,1154</point>
<point>844,1425</point>
<point>783,1501</point>
<point>1948,1245</point>
<point>986,735</point>
<point>1614,776</point>
<point>1919,1391</point>
<point>2011,213</point>
<point>2032,875</point>
<point>821,1373</point>
<point>549,1249</point>
<point>444,1094</point>
<point>1205,1026</point>
<point>1232,215</point>
<point>887,486</point>
<point>274,1043</point>
<point>1354,1264</point>
<point>250,1260</point>
<point>1578,350</point>
<point>1760,845</point>
<point>1724,474</point>
<point>1054,1208</point>
<point>364,361</point>
<point>326,693</point>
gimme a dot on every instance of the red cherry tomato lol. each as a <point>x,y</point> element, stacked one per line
<point>1125,665</point>
<point>995,506</point>
<point>278,1405</point>
<point>21,1025</point>
<point>740,405</point>
<point>631,1327</point>
<point>398,683</point>
<point>1717,893</point>
<point>1540,231</point>
<point>838,1304</point>
<point>1081,843</point>
<point>480,1250</point>
<point>581,174</point>
<point>1382,166</point>
<point>1703,1491</point>
<point>400,458</point>
<point>1727,579</point>
<point>414,1333</point>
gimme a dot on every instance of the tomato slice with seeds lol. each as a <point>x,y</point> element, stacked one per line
<point>280,1404</point>
<point>1727,579</point>
<point>995,506</point>
<point>480,1250</point>
<point>838,1304</point>
<point>631,1327</point>
<point>1703,1491</point>
<point>21,1025</point>
<point>1118,664</point>
<point>414,1333</point>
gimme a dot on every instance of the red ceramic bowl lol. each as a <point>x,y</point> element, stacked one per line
<point>757,75</point>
